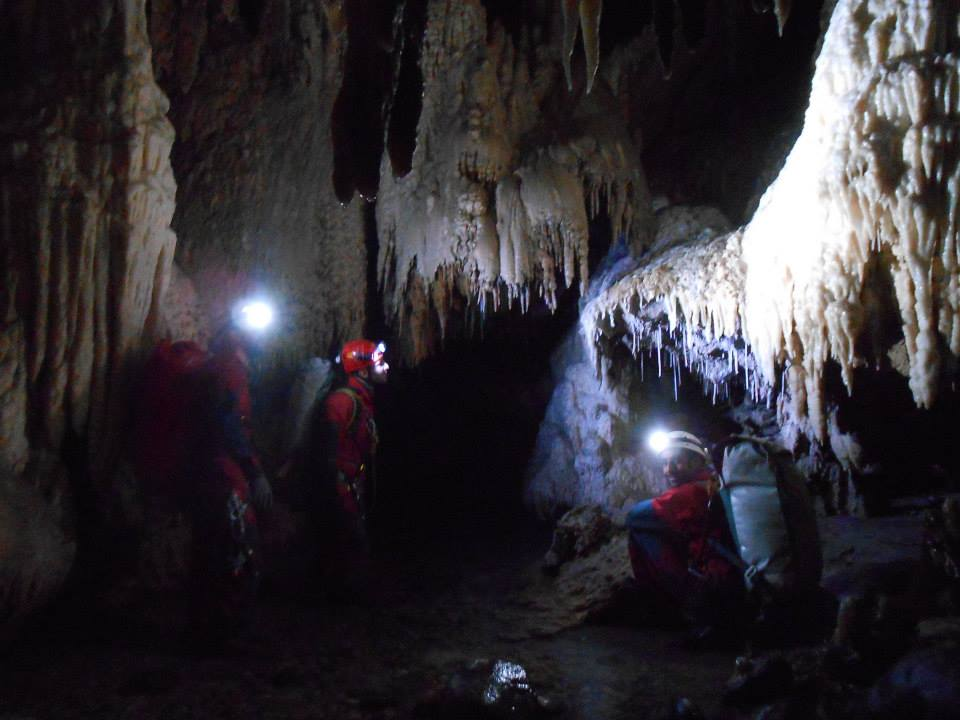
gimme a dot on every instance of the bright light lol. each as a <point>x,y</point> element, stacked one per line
<point>256,315</point>
<point>379,365</point>
<point>658,441</point>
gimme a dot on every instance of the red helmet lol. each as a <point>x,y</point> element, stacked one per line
<point>358,354</point>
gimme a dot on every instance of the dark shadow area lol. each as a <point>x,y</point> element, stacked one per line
<point>727,124</point>
<point>458,431</point>
<point>456,434</point>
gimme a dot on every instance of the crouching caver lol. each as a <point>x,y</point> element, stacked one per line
<point>673,541</point>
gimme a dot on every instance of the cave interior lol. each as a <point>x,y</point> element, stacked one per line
<point>571,222</point>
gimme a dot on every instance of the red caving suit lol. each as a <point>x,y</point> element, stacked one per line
<point>349,415</point>
<point>671,542</point>
<point>226,543</point>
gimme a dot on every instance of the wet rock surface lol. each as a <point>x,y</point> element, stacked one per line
<point>486,689</point>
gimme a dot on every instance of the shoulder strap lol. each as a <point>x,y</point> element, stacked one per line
<point>356,405</point>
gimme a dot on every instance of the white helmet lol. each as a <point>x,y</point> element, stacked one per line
<point>663,443</point>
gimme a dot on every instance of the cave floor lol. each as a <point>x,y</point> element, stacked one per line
<point>432,634</point>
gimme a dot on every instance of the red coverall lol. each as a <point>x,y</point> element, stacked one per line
<point>670,545</point>
<point>226,544</point>
<point>349,413</point>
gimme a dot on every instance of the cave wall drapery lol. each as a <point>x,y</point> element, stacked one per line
<point>873,177</point>
<point>86,198</point>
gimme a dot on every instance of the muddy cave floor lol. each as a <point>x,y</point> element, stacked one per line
<point>439,617</point>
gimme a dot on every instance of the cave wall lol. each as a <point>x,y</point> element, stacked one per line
<point>252,88</point>
<point>591,447</point>
<point>86,198</point>
<point>97,170</point>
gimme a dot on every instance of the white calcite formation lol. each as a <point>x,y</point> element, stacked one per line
<point>583,15</point>
<point>588,449</point>
<point>484,213</point>
<point>876,170</point>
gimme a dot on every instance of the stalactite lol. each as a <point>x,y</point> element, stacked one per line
<point>590,13</point>
<point>782,10</point>
<point>875,172</point>
<point>571,24</point>
<point>482,212</point>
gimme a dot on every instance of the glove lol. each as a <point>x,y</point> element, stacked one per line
<point>261,493</point>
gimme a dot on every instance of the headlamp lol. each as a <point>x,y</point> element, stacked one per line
<point>255,315</point>
<point>658,441</point>
<point>378,362</point>
<point>662,442</point>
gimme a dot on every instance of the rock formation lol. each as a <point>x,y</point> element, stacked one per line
<point>85,245</point>
<point>252,95</point>
<point>504,175</point>
<point>872,172</point>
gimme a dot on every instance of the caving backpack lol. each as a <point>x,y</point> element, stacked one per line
<point>311,386</point>
<point>172,415</point>
<point>771,517</point>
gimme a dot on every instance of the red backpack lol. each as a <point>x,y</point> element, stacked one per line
<point>170,415</point>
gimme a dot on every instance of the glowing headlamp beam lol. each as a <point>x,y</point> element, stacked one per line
<point>658,441</point>
<point>256,315</point>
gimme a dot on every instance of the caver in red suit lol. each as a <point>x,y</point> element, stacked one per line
<point>350,412</point>
<point>352,446</point>
<point>229,485</point>
<point>673,538</point>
